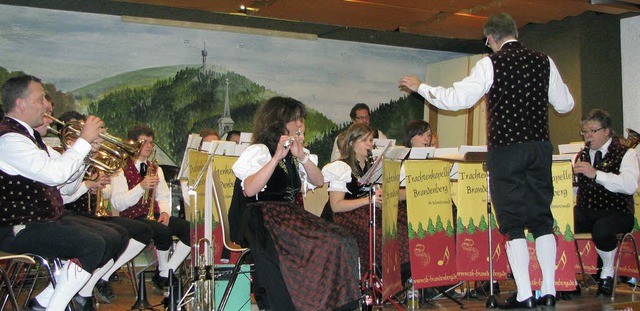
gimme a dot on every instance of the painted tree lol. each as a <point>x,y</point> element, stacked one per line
<point>439,225</point>
<point>412,234</point>
<point>471,228</point>
<point>449,230</point>
<point>459,226</point>
<point>568,233</point>
<point>431,229</point>
<point>421,234</point>
<point>482,225</point>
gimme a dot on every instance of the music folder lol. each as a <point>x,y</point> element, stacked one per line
<point>374,174</point>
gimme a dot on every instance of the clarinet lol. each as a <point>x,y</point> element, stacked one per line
<point>583,157</point>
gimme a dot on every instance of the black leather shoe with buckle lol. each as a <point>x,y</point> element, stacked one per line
<point>84,303</point>
<point>513,303</point>
<point>546,301</point>
<point>605,287</point>
<point>33,305</point>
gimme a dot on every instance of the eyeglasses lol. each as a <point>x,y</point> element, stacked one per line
<point>585,132</point>
<point>363,118</point>
<point>486,43</point>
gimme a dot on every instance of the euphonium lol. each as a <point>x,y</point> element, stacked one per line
<point>633,138</point>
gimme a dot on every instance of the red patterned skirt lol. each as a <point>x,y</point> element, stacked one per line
<point>318,259</point>
<point>357,223</point>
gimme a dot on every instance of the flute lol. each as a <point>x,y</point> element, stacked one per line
<point>291,140</point>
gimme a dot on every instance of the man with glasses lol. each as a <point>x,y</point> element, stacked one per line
<point>519,84</point>
<point>360,113</point>
<point>607,178</point>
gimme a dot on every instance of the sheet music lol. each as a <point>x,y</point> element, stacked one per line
<point>379,145</point>
<point>374,174</point>
<point>571,148</point>
<point>209,146</point>
<point>398,153</point>
<point>464,149</point>
<point>225,148</point>
<point>421,153</point>
<point>245,138</point>
<point>191,144</point>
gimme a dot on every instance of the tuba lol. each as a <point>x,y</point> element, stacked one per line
<point>633,138</point>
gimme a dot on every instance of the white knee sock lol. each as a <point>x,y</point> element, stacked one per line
<point>133,249</point>
<point>179,254</point>
<point>163,261</point>
<point>607,262</point>
<point>87,289</point>
<point>546,254</point>
<point>72,279</point>
<point>518,255</point>
<point>45,295</point>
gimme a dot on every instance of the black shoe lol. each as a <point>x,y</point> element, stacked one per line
<point>104,291</point>
<point>33,305</point>
<point>546,301</point>
<point>160,283</point>
<point>84,303</point>
<point>513,303</point>
<point>605,287</point>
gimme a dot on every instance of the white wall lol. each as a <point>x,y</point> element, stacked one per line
<point>630,46</point>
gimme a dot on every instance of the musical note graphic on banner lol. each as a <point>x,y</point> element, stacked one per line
<point>496,253</point>
<point>562,261</point>
<point>586,249</point>
<point>446,257</point>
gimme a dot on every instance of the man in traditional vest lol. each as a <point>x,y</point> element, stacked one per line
<point>139,176</point>
<point>31,204</point>
<point>519,84</point>
<point>607,178</point>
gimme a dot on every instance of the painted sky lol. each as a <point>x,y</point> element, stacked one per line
<point>73,49</point>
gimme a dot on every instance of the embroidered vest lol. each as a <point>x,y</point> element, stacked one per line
<point>133,179</point>
<point>23,200</point>
<point>518,97</point>
<point>82,206</point>
<point>592,195</point>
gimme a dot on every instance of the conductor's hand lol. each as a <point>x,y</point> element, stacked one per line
<point>149,182</point>
<point>163,219</point>
<point>410,84</point>
<point>584,168</point>
<point>93,126</point>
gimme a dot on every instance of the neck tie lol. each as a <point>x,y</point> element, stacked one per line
<point>143,169</point>
<point>39,142</point>
<point>597,158</point>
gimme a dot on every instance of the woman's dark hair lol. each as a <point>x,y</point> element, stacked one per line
<point>270,121</point>
<point>413,128</point>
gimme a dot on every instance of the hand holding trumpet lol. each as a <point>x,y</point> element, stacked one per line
<point>91,130</point>
<point>149,182</point>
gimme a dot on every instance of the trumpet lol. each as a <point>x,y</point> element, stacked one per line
<point>112,154</point>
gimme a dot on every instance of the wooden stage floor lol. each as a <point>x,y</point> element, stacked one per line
<point>625,300</point>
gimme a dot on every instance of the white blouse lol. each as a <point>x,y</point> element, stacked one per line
<point>338,175</point>
<point>256,156</point>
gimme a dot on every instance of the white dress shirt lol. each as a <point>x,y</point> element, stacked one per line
<point>627,181</point>
<point>122,197</point>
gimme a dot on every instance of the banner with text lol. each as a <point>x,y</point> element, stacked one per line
<point>472,228</point>
<point>390,245</point>
<point>562,209</point>
<point>430,222</point>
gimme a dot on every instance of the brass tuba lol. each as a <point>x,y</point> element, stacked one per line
<point>633,138</point>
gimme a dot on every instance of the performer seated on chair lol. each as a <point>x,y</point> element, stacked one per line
<point>140,176</point>
<point>82,202</point>
<point>302,262</point>
<point>30,214</point>
<point>607,178</point>
<point>348,204</point>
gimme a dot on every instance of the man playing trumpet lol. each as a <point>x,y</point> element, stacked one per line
<point>139,192</point>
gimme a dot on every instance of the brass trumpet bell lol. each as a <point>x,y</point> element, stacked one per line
<point>633,138</point>
<point>113,152</point>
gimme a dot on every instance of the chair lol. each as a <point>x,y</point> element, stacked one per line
<point>622,238</point>
<point>6,281</point>
<point>218,199</point>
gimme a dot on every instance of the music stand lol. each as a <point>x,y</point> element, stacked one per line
<point>481,157</point>
<point>370,279</point>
